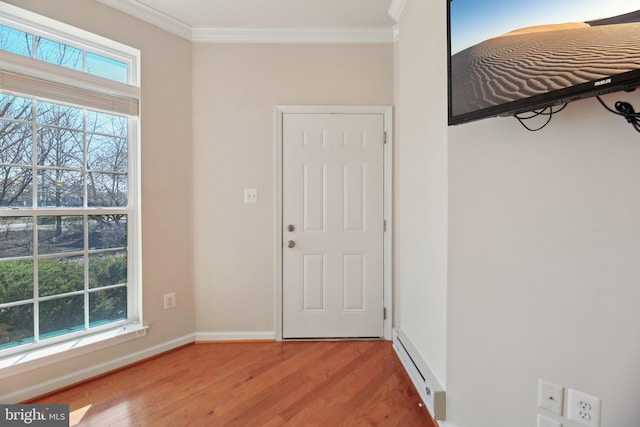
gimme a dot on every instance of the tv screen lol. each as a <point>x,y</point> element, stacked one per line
<point>507,57</point>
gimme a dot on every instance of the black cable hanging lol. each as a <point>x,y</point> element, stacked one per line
<point>547,111</point>
<point>625,110</point>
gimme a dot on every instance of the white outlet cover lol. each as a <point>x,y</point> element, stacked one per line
<point>251,195</point>
<point>547,422</point>
<point>169,300</point>
<point>583,408</point>
<point>550,396</point>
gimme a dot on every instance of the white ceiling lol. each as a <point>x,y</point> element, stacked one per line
<point>235,20</point>
<point>276,13</point>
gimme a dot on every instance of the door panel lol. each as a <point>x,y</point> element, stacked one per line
<point>313,282</point>
<point>333,177</point>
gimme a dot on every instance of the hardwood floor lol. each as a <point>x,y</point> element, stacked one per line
<point>320,383</point>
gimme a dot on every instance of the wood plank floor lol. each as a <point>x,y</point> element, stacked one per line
<point>320,383</point>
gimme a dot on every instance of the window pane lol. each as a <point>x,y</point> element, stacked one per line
<point>58,188</point>
<point>15,107</point>
<point>107,269</point>
<point>15,41</point>
<point>15,143</point>
<point>16,236</point>
<point>107,232</point>
<point>16,281</point>
<point>107,153</point>
<point>108,124</point>
<point>61,316</point>
<point>59,54</point>
<point>16,325</point>
<point>59,234</point>
<point>107,190</point>
<point>63,260</point>
<point>107,306</point>
<point>60,148</point>
<point>59,115</point>
<point>16,188</point>
<point>107,68</point>
<point>60,275</point>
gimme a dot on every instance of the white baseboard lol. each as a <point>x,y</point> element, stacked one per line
<point>92,371</point>
<point>236,336</point>
<point>427,386</point>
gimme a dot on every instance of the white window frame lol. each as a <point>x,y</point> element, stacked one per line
<point>21,76</point>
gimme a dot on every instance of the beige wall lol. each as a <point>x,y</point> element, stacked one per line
<point>236,88</point>
<point>166,179</point>
<point>543,244</point>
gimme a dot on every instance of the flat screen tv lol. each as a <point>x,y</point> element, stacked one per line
<point>509,56</point>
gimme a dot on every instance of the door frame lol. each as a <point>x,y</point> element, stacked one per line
<point>387,112</point>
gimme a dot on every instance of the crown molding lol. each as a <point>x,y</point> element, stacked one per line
<point>252,35</point>
<point>395,9</point>
<point>293,35</point>
<point>151,16</point>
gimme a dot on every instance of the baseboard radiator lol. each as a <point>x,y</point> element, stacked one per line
<point>430,391</point>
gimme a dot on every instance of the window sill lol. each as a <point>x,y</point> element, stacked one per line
<point>22,362</point>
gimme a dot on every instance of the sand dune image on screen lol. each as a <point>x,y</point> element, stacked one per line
<point>537,60</point>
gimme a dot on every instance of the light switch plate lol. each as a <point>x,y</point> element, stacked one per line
<point>550,396</point>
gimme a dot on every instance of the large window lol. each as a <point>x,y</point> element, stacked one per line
<point>69,210</point>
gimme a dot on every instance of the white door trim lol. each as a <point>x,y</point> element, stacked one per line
<point>387,112</point>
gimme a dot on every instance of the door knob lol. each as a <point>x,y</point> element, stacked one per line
<point>290,227</point>
<point>291,244</point>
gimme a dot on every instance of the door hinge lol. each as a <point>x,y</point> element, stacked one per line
<point>384,313</point>
<point>384,225</point>
<point>385,138</point>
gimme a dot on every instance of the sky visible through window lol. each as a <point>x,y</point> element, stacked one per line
<point>22,43</point>
<point>473,21</point>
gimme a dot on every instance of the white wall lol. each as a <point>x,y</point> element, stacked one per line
<point>236,88</point>
<point>544,241</point>
<point>543,244</point>
<point>420,206</point>
<point>166,180</point>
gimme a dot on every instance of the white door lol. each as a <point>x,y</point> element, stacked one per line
<point>333,212</point>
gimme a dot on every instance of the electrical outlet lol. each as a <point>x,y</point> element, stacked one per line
<point>550,396</point>
<point>583,408</point>
<point>251,195</point>
<point>169,300</point>
<point>547,422</point>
